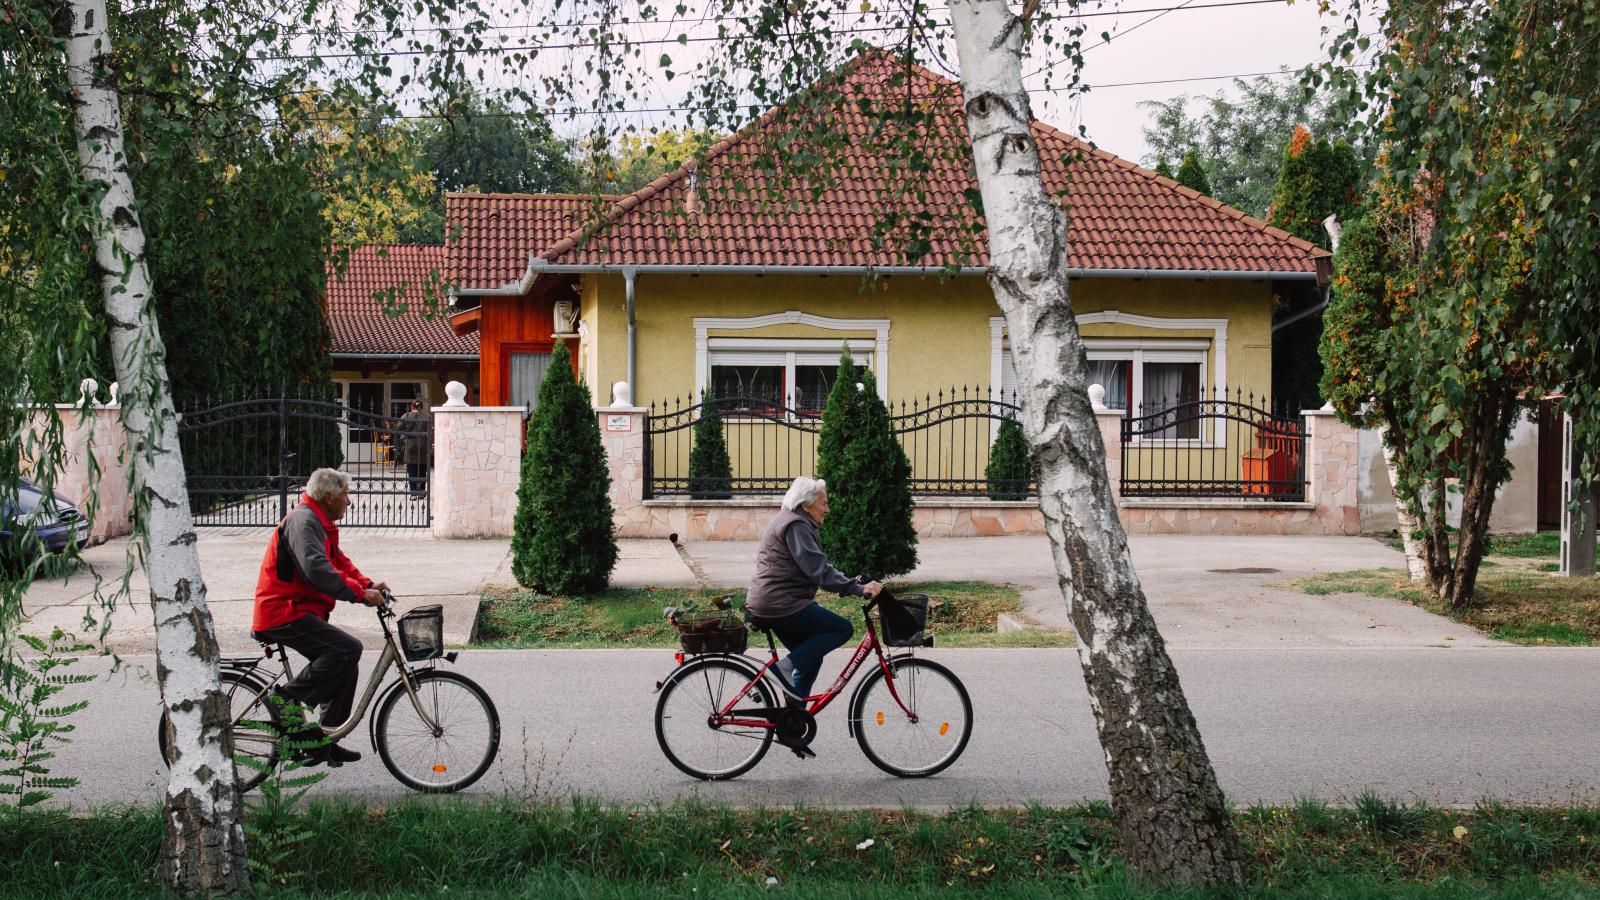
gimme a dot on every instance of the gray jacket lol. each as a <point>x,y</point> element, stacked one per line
<point>790,566</point>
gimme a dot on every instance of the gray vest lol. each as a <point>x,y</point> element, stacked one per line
<point>779,588</point>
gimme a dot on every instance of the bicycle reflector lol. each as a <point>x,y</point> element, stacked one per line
<point>440,768</point>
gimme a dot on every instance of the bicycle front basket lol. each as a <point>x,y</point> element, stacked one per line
<point>422,633</point>
<point>904,619</point>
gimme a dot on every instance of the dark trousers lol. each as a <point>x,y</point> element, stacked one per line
<point>811,634</point>
<point>418,473</point>
<point>330,676</point>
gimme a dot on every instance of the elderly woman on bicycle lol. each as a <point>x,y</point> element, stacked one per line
<point>790,567</point>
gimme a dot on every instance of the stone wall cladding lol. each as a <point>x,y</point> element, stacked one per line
<point>99,434</point>
<point>477,464</point>
<point>739,520</point>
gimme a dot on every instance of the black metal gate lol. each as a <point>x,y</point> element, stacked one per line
<point>247,460</point>
<point>1214,446</point>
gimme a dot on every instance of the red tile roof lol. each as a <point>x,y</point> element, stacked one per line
<point>488,237</point>
<point>360,325</point>
<point>1121,216</point>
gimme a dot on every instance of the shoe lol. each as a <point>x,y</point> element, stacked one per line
<point>338,756</point>
<point>800,750</point>
<point>785,672</point>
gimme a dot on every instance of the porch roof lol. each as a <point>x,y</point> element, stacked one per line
<point>489,238</point>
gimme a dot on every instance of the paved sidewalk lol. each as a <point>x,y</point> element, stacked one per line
<point>1204,591</point>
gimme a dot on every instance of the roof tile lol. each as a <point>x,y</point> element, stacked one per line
<point>356,314</point>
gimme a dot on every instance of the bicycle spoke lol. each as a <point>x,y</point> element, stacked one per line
<point>685,715</point>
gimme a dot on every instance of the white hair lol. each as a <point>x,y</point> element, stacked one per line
<point>803,492</point>
<point>325,484</point>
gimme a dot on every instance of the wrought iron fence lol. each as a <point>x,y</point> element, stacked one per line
<point>947,438</point>
<point>1214,446</point>
<point>247,459</point>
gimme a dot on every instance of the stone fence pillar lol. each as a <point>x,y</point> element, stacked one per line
<point>1332,470</point>
<point>477,463</point>
<point>95,433</point>
<point>622,427</point>
<point>1110,422</point>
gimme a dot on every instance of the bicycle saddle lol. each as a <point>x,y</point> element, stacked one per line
<point>757,622</point>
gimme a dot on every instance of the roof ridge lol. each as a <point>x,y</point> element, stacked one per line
<point>516,195</point>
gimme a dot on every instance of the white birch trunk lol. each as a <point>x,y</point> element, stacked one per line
<point>1172,821</point>
<point>204,846</point>
<point>1402,510</point>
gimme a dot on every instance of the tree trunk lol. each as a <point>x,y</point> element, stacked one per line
<point>203,851</point>
<point>1402,511</point>
<point>1171,819</point>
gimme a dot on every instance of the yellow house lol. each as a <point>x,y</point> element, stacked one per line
<point>719,278</point>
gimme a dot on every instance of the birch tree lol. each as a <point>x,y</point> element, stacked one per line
<point>204,846</point>
<point>1171,819</point>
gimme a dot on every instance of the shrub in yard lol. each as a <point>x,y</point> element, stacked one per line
<point>869,526</point>
<point>709,472</point>
<point>562,541</point>
<point>1009,470</point>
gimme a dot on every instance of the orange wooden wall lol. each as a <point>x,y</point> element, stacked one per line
<point>513,324</point>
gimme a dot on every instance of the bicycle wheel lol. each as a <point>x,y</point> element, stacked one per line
<point>255,730</point>
<point>454,756</point>
<point>927,741</point>
<point>690,697</point>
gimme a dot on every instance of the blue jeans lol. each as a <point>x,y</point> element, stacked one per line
<point>810,634</point>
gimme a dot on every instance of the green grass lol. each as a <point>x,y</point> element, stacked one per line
<point>503,846</point>
<point>631,617</point>
<point>1517,605</point>
<point>1544,545</point>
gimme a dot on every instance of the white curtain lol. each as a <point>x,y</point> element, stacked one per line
<point>1166,386</point>
<point>1112,374</point>
<point>527,373</point>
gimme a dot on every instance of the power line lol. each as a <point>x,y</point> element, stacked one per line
<point>685,39</point>
<point>677,109</point>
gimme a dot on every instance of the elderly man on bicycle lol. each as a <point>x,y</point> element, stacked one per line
<point>302,574</point>
<point>790,567</point>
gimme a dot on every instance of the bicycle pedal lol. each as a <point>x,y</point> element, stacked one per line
<point>804,752</point>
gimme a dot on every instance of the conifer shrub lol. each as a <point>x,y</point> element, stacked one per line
<point>1009,470</point>
<point>710,475</point>
<point>869,527</point>
<point>562,540</point>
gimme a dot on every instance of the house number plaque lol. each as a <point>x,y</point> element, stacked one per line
<point>619,422</point>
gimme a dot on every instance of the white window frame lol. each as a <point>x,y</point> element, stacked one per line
<point>1140,351</point>
<point>781,352</point>
<point>872,351</point>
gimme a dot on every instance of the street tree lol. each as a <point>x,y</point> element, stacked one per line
<point>1481,262</point>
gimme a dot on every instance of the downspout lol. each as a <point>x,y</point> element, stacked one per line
<point>1334,228</point>
<point>629,273</point>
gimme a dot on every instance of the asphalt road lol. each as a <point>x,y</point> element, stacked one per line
<point>1450,726</point>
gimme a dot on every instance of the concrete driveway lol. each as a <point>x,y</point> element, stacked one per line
<point>1205,592</point>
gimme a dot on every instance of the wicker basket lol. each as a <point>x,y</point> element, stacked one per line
<point>712,634</point>
<point>422,633</point>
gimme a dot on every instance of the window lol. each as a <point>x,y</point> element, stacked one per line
<point>1141,377</point>
<point>800,378</point>
<point>526,374</point>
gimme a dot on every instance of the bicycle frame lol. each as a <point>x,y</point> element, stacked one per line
<point>819,702</point>
<point>391,657</point>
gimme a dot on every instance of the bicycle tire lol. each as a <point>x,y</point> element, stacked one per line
<point>946,690</point>
<point>241,688</point>
<point>396,716</point>
<point>700,688</point>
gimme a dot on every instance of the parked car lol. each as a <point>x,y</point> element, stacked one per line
<point>31,522</point>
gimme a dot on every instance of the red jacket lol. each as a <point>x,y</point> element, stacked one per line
<point>311,576</point>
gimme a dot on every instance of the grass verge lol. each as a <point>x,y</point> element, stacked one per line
<point>1544,545</point>
<point>632,617</point>
<point>1521,606</point>
<point>505,847</point>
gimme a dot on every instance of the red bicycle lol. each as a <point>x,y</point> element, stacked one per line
<point>719,713</point>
